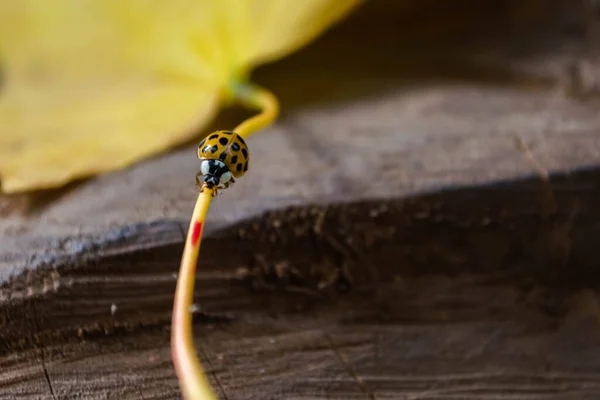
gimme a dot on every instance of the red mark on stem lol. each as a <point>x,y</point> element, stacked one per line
<point>196,232</point>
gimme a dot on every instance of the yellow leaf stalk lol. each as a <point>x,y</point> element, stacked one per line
<point>192,379</point>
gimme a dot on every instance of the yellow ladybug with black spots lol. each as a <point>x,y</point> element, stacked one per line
<point>224,156</point>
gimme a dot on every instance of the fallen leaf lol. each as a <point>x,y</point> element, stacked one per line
<point>91,86</point>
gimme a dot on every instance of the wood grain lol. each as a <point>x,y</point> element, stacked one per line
<point>463,293</point>
<point>391,239</point>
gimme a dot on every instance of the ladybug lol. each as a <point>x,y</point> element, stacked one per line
<point>224,156</point>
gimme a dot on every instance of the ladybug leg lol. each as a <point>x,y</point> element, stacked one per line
<point>229,184</point>
<point>218,191</point>
<point>199,182</point>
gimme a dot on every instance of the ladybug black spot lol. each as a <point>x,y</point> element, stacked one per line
<point>214,149</point>
<point>238,168</point>
<point>206,149</point>
<point>241,140</point>
<point>223,141</point>
<point>202,143</point>
<point>223,156</point>
<point>246,166</point>
<point>235,147</point>
<point>226,132</point>
<point>211,137</point>
<point>233,159</point>
<point>245,153</point>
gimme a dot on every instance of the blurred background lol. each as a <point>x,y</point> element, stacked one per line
<point>419,223</point>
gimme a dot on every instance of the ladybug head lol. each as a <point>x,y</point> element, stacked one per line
<point>211,181</point>
<point>214,173</point>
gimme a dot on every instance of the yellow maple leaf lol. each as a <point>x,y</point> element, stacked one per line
<point>90,86</point>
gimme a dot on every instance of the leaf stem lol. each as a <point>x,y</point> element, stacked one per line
<point>256,97</point>
<point>192,379</point>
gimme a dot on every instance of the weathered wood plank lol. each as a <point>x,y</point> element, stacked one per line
<point>440,339</point>
<point>398,110</point>
<point>464,293</point>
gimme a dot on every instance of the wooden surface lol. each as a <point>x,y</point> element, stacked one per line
<point>341,267</point>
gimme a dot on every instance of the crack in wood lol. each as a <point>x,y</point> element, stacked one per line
<point>213,373</point>
<point>348,367</point>
<point>41,349</point>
